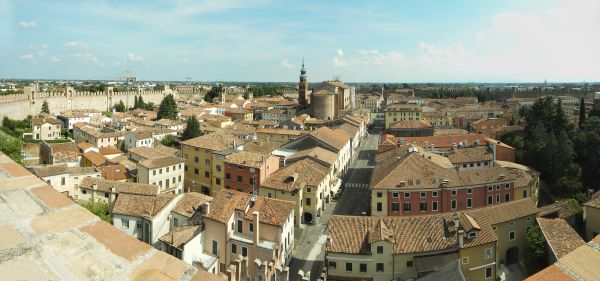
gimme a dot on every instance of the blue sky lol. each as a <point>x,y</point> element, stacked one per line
<point>265,40</point>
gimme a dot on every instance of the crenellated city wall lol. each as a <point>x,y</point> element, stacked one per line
<point>30,102</point>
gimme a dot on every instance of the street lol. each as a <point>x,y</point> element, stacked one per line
<point>354,200</point>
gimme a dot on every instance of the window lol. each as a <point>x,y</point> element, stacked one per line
<point>240,179</point>
<point>472,234</point>
<point>138,226</point>
<point>233,248</point>
<point>240,226</point>
<point>524,193</point>
<point>465,260</point>
<point>395,207</point>
<point>379,267</point>
<point>186,168</point>
<point>453,204</point>
<point>215,247</point>
<point>434,194</point>
<point>489,252</point>
<point>406,194</point>
<point>196,171</point>
<point>511,235</point>
<point>490,188</point>
<point>363,267</point>
<point>471,165</point>
<point>106,194</point>
<point>469,203</point>
<point>349,266</point>
<point>154,172</point>
<point>497,198</point>
<point>490,200</point>
<point>308,204</point>
<point>497,187</point>
<point>175,222</point>
<point>207,162</point>
<point>269,195</point>
<point>218,168</point>
<point>434,206</point>
<point>251,227</point>
<point>206,174</point>
<point>84,191</point>
<point>196,159</point>
<point>252,181</point>
<point>453,192</point>
<point>507,186</point>
<point>395,194</point>
<point>409,264</point>
<point>332,264</point>
<point>407,207</point>
<point>308,189</point>
<point>464,165</point>
<point>423,194</point>
<point>380,249</point>
<point>379,194</point>
<point>469,191</point>
<point>244,252</point>
<point>488,272</point>
<point>125,223</point>
<point>379,207</point>
<point>167,169</point>
<point>227,176</point>
<point>423,206</point>
<point>506,197</point>
<point>478,164</point>
<point>218,181</point>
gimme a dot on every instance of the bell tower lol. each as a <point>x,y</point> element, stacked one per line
<point>303,87</point>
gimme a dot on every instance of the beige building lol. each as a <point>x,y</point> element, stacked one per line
<point>400,112</point>
<point>65,179</point>
<point>591,216</point>
<point>167,172</point>
<point>107,191</point>
<point>82,132</point>
<point>278,135</point>
<point>483,241</point>
<point>253,233</point>
<point>306,182</point>
<point>45,128</point>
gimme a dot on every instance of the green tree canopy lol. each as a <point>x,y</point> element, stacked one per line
<point>120,107</point>
<point>535,249</point>
<point>45,108</point>
<point>581,112</point>
<point>192,130</point>
<point>168,108</point>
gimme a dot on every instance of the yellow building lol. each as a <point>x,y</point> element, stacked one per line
<point>479,241</point>
<point>591,215</point>
<point>203,167</point>
<point>400,112</point>
<point>305,182</point>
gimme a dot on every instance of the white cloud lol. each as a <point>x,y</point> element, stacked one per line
<point>340,52</point>
<point>28,24</point>
<point>135,58</point>
<point>28,57</point>
<point>285,63</point>
<point>55,59</point>
<point>371,57</point>
<point>77,45</point>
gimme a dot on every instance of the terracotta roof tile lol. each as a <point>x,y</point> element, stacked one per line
<point>471,154</point>
<point>190,202</point>
<point>160,162</point>
<point>295,176</point>
<point>120,187</point>
<point>114,172</point>
<point>560,236</point>
<point>140,205</point>
<point>217,141</point>
<point>181,235</point>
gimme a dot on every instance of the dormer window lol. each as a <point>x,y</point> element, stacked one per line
<point>472,235</point>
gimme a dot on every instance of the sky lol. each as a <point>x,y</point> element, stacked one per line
<point>266,40</point>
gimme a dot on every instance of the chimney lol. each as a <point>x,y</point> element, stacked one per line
<point>94,186</point>
<point>205,208</point>
<point>256,223</point>
<point>454,146</point>
<point>456,221</point>
<point>461,238</point>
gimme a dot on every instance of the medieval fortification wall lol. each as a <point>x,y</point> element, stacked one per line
<point>30,102</point>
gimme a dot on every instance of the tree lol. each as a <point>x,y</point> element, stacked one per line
<point>168,140</point>
<point>120,107</point>
<point>100,209</point>
<point>595,111</point>
<point>136,102</point>
<point>11,146</point>
<point>141,103</point>
<point>214,92</point>
<point>246,96</point>
<point>581,112</point>
<point>192,129</point>
<point>45,108</point>
<point>535,249</point>
<point>168,108</point>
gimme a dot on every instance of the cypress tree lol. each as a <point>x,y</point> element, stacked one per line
<point>192,130</point>
<point>581,112</point>
<point>136,103</point>
<point>141,103</point>
<point>45,108</point>
<point>167,108</point>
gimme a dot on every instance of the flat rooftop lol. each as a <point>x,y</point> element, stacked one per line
<point>46,236</point>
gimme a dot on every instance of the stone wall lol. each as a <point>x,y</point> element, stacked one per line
<point>30,103</point>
